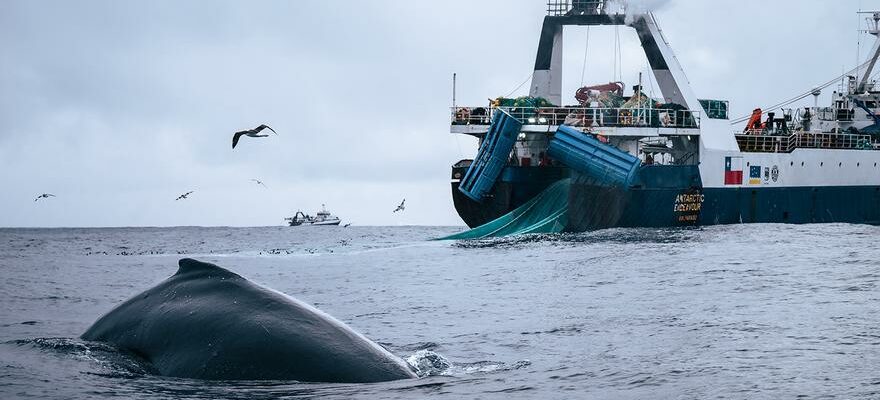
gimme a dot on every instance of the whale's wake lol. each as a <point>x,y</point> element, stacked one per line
<point>429,363</point>
<point>106,359</point>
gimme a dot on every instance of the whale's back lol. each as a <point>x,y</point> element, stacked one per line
<point>206,322</point>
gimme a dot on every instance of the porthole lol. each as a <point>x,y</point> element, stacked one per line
<point>840,164</point>
<point>822,164</point>
<point>802,163</point>
<point>792,163</point>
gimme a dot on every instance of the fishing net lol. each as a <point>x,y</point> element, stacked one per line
<point>546,213</point>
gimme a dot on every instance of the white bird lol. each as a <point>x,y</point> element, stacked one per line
<point>259,182</point>
<point>401,207</point>
<point>44,196</point>
<point>184,196</point>
<point>250,133</point>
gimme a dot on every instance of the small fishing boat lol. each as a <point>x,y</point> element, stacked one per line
<point>322,218</point>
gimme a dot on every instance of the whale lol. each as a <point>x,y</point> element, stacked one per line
<point>208,323</point>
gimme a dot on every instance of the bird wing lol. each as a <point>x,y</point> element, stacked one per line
<point>264,126</point>
<point>261,127</point>
<point>238,136</point>
<point>50,195</point>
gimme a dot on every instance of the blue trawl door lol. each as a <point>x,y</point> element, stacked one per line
<point>606,164</point>
<point>492,158</point>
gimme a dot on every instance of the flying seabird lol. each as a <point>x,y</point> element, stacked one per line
<point>401,207</point>
<point>259,182</point>
<point>184,196</point>
<point>44,196</point>
<point>252,133</point>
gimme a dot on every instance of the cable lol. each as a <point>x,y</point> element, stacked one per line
<point>800,96</point>
<point>520,86</point>
<point>650,78</point>
<point>586,51</point>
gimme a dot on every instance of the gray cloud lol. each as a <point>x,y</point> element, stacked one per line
<point>119,106</point>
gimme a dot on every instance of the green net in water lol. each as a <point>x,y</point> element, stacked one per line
<point>546,213</point>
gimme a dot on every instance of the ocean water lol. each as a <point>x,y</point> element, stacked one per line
<point>749,311</point>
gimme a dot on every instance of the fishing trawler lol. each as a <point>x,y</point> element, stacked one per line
<point>322,218</point>
<point>619,158</point>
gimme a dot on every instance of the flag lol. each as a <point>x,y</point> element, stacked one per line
<point>755,175</point>
<point>733,170</point>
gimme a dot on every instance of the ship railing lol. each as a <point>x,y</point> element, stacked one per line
<point>834,114</point>
<point>755,142</point>
<point>586,117</point>
<point>557,8</point>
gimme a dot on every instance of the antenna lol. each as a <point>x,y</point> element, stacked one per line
<point>454,78</point>
<point>859,41</point>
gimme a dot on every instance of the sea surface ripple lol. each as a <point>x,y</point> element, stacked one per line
<point>747,311</point>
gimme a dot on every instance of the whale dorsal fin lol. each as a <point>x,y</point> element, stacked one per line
<point>188,266</point>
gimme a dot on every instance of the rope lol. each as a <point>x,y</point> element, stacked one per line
<point>520,86</point>
<point>800,96</point>
<point>586,51</point>
<point>650,76</point>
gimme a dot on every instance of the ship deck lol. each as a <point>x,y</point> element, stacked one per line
<point>633,122</point>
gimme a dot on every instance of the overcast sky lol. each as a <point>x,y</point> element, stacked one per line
<point>118,107</point>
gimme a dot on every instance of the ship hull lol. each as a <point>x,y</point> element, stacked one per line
<point>515,187</point>
<point>671,196</point>
<point>325,223</point>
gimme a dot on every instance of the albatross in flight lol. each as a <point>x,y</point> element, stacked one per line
<point>401,207</point>
<point>259,182</point>
<point>44,196</point>
<point>184,196</point>
<point>251,133</point>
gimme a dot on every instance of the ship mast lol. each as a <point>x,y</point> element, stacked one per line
<point>674,85</point>
<point>875,52</point>
<point>547,77</point>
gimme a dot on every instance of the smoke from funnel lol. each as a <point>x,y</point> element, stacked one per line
<point>633,8</point>
<point>642,6</point>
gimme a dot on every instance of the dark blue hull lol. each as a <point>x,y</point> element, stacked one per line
<point>515,187</point>
<point>668,196</point>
